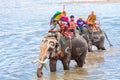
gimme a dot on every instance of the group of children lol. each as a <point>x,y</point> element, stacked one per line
<point>67,27</point>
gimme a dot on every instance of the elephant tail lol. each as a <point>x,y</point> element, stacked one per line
<point>108,40</point>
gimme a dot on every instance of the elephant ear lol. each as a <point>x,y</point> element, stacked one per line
<point>78,50</point>
<point>62,40</point>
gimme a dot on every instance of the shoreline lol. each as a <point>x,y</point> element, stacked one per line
<point>91,1</point>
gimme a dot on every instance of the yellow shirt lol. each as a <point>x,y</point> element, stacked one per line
<point>91,18</point>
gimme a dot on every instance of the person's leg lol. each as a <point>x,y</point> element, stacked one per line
<point>58,38</point>
<point>58,35</point>
<point>81,29</point>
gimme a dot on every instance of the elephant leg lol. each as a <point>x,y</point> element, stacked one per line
<point>52,64</point>
<point>103,48</point>
<point>97,47</point>
<point>89,49</point>
<point>77,61</point>
<point>81,60</point>
<point>65,64</point>
<point>100,48</point>
<point>90,46</point>
<point>101,44</point>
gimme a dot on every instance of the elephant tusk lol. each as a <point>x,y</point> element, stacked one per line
<point>35,61</point>
<point>38,60</point>
<point>43,62</point>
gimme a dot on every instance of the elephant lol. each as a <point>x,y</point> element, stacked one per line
<point>94,38</point>
<point>66,49</point>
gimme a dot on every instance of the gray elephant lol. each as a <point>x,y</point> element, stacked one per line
<point>68,49</point>
<point>94,38</point>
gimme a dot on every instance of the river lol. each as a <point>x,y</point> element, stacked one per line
<point>23,23</point>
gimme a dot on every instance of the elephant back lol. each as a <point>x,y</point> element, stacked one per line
<point>88,33</point>
<point>77,40</point>
<point>88,28</point>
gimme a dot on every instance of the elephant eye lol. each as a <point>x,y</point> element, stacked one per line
<point>50,49</point>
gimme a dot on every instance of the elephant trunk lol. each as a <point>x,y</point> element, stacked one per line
<point>39,72</point>
<point>40,67</point>
<point>108,40</point>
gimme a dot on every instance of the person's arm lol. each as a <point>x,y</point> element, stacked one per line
<point>59,29</point>
<point>88,18</point>
<point>51,28</point>
<point>78,22</point>
<point>77,25</point>
<point>95,18</point>
<point>84,22</point>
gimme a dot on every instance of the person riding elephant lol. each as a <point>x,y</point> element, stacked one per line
<point>73,25</point>
<point>81,23</point>
<point>91,18</point>
<point>95,38</point>
<point>91,21</point>
<point>55,29</point>
<point>71,49</point>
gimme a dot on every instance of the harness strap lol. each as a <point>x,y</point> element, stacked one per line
<point>70,43</point>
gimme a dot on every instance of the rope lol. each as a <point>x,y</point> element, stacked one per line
<point>70,43</point>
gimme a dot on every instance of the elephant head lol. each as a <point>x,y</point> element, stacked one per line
<point>95,38</point>
<point>48,49</point>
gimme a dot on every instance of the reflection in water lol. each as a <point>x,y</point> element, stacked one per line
<point>98,66</point>
<point>93,61</point>
<point>79,73</point>
<point>95,57</point>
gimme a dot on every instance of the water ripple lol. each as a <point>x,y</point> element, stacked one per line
<point>23,23</point>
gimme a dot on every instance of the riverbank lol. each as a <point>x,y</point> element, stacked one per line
<point>91,1</point>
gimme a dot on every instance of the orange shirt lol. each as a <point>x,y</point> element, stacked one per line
<point>72,24</point>
<point>91,18</point>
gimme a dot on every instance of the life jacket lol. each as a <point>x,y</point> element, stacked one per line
<point>63,25</point>
<point>72,24</point>
<point>69,34</point>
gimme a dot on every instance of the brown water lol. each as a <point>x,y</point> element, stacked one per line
<point>100,65</point>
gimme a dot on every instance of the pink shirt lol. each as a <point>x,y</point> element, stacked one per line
<point>65,18</point>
